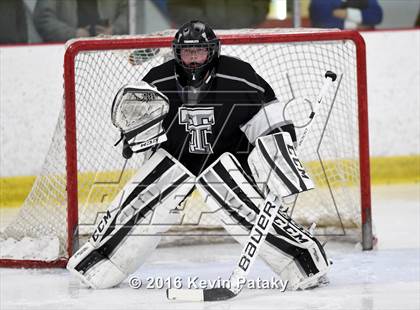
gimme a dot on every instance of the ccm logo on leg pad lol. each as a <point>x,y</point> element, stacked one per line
<point>101,226</point>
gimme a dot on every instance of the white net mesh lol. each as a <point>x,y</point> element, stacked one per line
<point>295,72</point>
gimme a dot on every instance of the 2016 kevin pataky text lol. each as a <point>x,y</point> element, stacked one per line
<point>194,282</point>
<point>258,283</point>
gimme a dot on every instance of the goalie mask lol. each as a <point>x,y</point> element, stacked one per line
<point>196,50</point>
<point>138,111</point>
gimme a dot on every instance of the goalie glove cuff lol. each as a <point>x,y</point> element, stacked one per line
<point>139,140</point>
<point>141,146</point>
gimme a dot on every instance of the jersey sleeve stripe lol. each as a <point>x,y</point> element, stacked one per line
<point>163,79</point>
<point>230,77</point>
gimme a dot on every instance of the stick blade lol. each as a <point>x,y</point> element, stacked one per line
<point>213,294</point>
<point>216,294</point>
<point>185,294</point>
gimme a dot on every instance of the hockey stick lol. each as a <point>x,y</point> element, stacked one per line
<point>253,244</point>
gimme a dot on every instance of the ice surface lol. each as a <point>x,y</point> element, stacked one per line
<point>386,278</point>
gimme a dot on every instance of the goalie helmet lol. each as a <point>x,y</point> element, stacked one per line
<point>196,51</point>
<point>138,111</point>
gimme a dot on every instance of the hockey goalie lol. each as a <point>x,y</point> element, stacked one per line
<point>208,122</point>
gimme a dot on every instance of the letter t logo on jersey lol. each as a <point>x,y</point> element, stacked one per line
<point>198,122</point>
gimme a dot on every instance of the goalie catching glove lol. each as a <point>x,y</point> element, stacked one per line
<point>138,111</point>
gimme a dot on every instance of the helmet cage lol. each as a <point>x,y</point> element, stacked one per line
<point>212,52</point>
<point>197,72</point>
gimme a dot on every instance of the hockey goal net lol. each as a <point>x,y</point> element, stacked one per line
<point>83,171</point>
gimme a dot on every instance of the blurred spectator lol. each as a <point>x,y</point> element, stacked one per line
<point>63,20</point>
<point>350,14</point>
<point>16,24</point>
<point>162,6</point>
<point>220,14</point>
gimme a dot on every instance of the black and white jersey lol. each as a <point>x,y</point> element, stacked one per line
<point>225,115</point>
